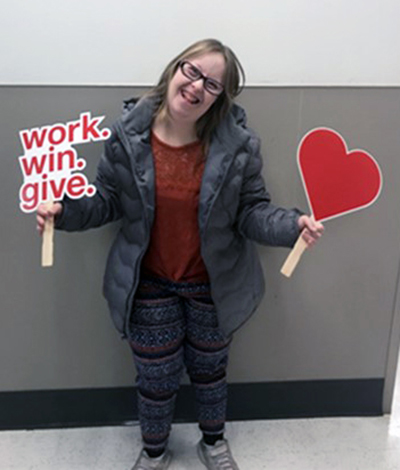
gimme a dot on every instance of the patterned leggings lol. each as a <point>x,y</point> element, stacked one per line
<point>174,326</point>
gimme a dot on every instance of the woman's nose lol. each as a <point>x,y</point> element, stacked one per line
<point>198,84</point>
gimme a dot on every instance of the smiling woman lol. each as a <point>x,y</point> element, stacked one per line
<point>189,98</point>
<point>183,171</point>
<point>228,72</point>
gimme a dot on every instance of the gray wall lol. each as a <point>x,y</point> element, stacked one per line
<point>336,318</point>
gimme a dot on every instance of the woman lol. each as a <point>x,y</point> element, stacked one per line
<point>183,172</point>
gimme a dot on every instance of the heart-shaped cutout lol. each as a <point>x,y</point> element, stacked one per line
<point>336,181</point>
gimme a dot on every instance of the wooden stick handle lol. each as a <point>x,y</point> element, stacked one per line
<point>294,257</point>
<point>48,242</point>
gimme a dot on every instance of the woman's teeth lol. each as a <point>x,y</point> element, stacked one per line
<point>190,98</point>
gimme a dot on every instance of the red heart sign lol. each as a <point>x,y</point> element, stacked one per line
<point>336,181</point>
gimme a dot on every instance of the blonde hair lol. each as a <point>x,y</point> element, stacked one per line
<point>233,82</point>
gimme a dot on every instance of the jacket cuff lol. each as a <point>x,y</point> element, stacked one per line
<point>59,221</point>
<point>295,214</point>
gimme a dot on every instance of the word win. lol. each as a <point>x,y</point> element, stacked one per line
<point>51,167</point>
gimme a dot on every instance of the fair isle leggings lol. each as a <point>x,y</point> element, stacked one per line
<point>174,326</point>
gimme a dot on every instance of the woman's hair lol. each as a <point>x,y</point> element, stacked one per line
<point>233,82</point>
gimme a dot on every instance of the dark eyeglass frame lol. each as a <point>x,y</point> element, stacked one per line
<point>208,82</point>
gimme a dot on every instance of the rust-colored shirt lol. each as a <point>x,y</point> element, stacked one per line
<point>174,250</point>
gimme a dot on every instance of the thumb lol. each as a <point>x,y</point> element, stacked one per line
<point>55,209</point>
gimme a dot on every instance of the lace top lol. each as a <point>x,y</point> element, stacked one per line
<point>174,250</point>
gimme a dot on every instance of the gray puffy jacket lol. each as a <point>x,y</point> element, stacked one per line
<point>234,211</point>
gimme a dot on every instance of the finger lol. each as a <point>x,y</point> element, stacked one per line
<point>42,210</point>
<point>306,235</point>
<point>315,228</point>
<point>53,210</point>
<point>312,225</point>
<point>316,235</point>
<point>310,243</point>
<point>40,227</point>
<point>48,211</point>
<point>310,238</point>
<point>305,222</point>
<point>45,212</point>
<point>40,219</point>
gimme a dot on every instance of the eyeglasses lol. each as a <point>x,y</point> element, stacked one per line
<point>193,73</point>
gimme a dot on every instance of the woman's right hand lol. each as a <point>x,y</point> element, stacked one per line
<point>47,211</point>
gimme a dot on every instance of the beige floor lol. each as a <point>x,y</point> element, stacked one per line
<point>307,444</point>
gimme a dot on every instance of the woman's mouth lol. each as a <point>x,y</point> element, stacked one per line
<point>189,97</point>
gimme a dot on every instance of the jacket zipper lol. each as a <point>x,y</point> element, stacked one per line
<point>128,306</point>
<point>203,231</point>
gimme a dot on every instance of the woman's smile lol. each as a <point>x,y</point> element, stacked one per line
<point>190,97</point>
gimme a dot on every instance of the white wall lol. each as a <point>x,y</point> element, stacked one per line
<point>294,42</point>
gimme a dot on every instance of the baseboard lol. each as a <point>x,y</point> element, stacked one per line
<point>248,401</point>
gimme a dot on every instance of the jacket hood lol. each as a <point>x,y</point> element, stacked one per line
<point>137,114</point>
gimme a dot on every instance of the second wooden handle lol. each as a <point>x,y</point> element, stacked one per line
<point>294,257</point>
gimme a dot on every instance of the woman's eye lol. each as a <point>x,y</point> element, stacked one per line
<point>193,71</point>
<point>212,85</point>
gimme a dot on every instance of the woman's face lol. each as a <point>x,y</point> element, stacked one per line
<point>188,100</point>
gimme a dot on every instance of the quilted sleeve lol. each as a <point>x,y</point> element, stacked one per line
<point>258,219</point>
<point>103,207</point>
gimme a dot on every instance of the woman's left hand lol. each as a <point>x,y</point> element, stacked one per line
<point>311,230</point>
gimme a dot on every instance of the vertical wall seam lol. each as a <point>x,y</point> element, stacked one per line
<point>393,350</point>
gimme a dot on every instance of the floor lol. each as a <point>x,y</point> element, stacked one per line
<point>312,444</point>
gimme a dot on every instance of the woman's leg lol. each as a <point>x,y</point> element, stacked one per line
<point>206,360</point>
<point>156,336</point>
